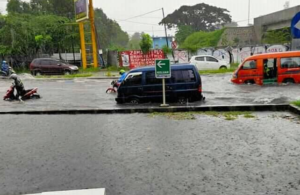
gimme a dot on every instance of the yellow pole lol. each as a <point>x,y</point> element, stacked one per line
<point>94,43</point>
<point>82,42</point>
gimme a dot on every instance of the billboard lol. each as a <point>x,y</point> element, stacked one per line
<point>135,58</point>
<point>81,10</point>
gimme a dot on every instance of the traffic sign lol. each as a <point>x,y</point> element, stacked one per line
<point>296,26</point>
<point>174,45</point>
<point>162,69</point>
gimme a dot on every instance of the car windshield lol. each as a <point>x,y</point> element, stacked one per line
<point>141,97</point>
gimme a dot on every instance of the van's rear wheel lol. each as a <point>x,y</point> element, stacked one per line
<point>134,101</point>
<point>223,68</point>
<point>182,100</point>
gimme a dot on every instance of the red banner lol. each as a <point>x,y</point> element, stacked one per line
<point>135,59</point>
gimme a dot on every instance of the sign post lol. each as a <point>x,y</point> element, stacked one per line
<point>295,28</point>
<point>163,71</point>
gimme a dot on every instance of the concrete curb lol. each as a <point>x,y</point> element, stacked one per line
<point>294,109</point>
<point>252,108</point>
<point>90,78</point>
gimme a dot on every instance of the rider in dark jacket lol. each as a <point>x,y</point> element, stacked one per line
<point>19,86</point>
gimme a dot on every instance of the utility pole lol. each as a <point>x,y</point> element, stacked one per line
<point>248,12</point>
<point>167,39</point>
<point>83,48</point>
<point>94,38</point>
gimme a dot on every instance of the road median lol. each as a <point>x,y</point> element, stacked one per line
<point>131,110</point>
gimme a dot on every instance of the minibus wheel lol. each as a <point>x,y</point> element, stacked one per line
<point>289,80</point>
<point>251,82</point>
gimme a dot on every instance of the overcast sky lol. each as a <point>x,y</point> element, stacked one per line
<point>123,9</point>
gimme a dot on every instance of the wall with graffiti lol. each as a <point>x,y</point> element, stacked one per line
<point>237,55</point>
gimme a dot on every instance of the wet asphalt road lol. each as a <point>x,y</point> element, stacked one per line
<point>85,93</point>
<point>150,155</point>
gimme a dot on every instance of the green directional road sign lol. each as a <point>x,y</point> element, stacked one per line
<point>162,69</point>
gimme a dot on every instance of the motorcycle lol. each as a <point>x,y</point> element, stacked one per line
<point>29,94</point>
<point>113,88</point>
<point>7,73</point>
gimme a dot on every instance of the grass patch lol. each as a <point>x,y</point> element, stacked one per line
<point>89,70</point>
<point>72,76</point>
<point>296,103</point>
<point>22,71</point>
<point>229,116</point>
<point>232,68</point>
<point>222,71</point>
<point>248,115</point>
<point>116,69</point>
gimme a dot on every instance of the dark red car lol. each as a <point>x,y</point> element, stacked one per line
<point>50,66</point>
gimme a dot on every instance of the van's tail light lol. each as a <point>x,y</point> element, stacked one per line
<point>31,65</point>
<point>200,88</point>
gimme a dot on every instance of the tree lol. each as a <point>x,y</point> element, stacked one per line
<point>134,42</point>
<point>146,43</point>
<point>14,6</point>
<point>110,34</point>
<point>182,33</point>
<point>166,50</point>
<point>201,17</point>
<point>41,7</point>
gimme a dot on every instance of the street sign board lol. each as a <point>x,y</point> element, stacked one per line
<point>81,10</point>
<point>162,69</point>
<point>296,26</point>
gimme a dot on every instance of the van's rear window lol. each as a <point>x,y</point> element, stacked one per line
<point>183,76</point>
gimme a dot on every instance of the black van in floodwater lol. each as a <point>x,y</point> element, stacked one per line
<point>141,85</point>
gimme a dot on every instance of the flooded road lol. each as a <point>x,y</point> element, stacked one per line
<point>90,93</point>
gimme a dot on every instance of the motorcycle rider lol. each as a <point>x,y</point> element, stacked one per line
<point>117,83</point>
<point>19,86</point>
<point>6,69</point>
<point>123,76</point>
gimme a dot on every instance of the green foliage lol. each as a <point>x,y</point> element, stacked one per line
<point>296,103</point>
<point>277,36</point>
<point>201,17</point>
<point>166,50</point>
<point>63,8</point>
<point>25,35</point>
<point>146,43</point>
<point>192,115</point>
<point>14,6</point>
<point>109,32</point>
<point>202,39</point>
<point>182,33</point>
<point>134,43</point>
<point>43,26</point>
<point>236,41</point>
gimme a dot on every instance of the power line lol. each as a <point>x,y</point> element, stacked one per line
<point>141,15</point>
<point>143,30</point>
<point>140,23</point>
